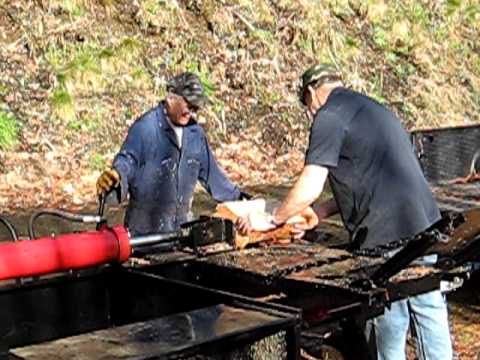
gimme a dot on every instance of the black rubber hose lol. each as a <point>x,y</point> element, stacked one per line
<point>10,227</point>
<point>101,209</point>
<point>86,218</point>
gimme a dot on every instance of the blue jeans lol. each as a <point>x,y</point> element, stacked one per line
<point>428,313</point>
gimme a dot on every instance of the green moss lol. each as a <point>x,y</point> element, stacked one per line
<point>193,47</point>
<point>89,123</point>
<point>73,8</point>
<point>61,97</point>
<point>218,106</point>
<point>264,35</point>
<point>350,41</point>
<point>341,9</point>
<point>4,89</point>
<point>96,162</point>
<point>85,61</point>
<point>138,73</point>
<point>418,14</point>
<point>128,114</point>
<point>74,125</point>
<point>56,56</point>
<point>391,57</point>
<point>129,48</point>
<point>9,131</point>
<point>380,38</point>
<point>61,78</point>
<point>63,106</point>
<point>194,67</point>
<point>152,6</point>
<point>274,97</point>
<point>452,6</point>
<point>306,45</point>
<point>106,53</point>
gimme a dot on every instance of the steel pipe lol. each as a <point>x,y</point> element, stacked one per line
<point>152,239</point>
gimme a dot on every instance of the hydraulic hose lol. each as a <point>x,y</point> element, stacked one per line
<point>10,227</point>
<point>101,210</point>
<point>85,218</point>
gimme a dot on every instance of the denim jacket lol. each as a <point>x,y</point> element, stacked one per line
<point>160,177</point>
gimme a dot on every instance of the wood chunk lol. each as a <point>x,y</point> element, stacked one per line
<point>234,209</point>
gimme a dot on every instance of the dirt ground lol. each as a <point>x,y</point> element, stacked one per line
<point>464,306</point>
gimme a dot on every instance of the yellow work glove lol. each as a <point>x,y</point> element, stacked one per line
<point>107,181</point>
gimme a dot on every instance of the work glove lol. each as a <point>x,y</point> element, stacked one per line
<point>107,181</point>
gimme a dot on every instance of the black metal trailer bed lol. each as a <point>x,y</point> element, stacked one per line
<point>120,313</point>
<point>457,197</point>
<point>261,284</point>
<point>329,273</point>
<point>178,305</point>
<point>320,281</point>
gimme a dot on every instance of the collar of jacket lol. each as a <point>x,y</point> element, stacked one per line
<point>190,128</point>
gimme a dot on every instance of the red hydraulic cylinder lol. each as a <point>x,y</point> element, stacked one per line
<point>69,251</point>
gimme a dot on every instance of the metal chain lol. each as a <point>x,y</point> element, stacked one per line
<point>440,230</point>
<point>380,250</point>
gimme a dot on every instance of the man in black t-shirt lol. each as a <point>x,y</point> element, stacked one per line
<point>380,192</point>
<point>373,171</point>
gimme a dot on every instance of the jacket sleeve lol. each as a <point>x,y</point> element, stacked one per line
<point>130,156</point>
<point>213,179</point>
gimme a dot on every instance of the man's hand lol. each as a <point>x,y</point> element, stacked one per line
<point>243,226</point>
<point>256,222</point>
<point>265,222</point>
<point>311,221</point>
<point>107,181</point>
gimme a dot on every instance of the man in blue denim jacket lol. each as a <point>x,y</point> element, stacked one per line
<point>163,156</point>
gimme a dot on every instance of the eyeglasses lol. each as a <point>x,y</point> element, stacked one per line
<point>192,108</point>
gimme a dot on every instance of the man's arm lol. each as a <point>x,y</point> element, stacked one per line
<point>306,190</point>
<point>129,157</point>
<point>214,180</point>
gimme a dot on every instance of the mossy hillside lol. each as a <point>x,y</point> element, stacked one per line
<point>76,73</point>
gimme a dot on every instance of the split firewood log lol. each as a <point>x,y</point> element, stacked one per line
<point>232,210</point>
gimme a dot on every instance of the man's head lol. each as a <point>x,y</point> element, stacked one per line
<point>316,84</point>
<point>185,97</point>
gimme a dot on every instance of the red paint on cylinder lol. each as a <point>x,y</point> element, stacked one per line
<point>69,251</point>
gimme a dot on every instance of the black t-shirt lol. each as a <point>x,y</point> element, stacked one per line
<point>374,174</point>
